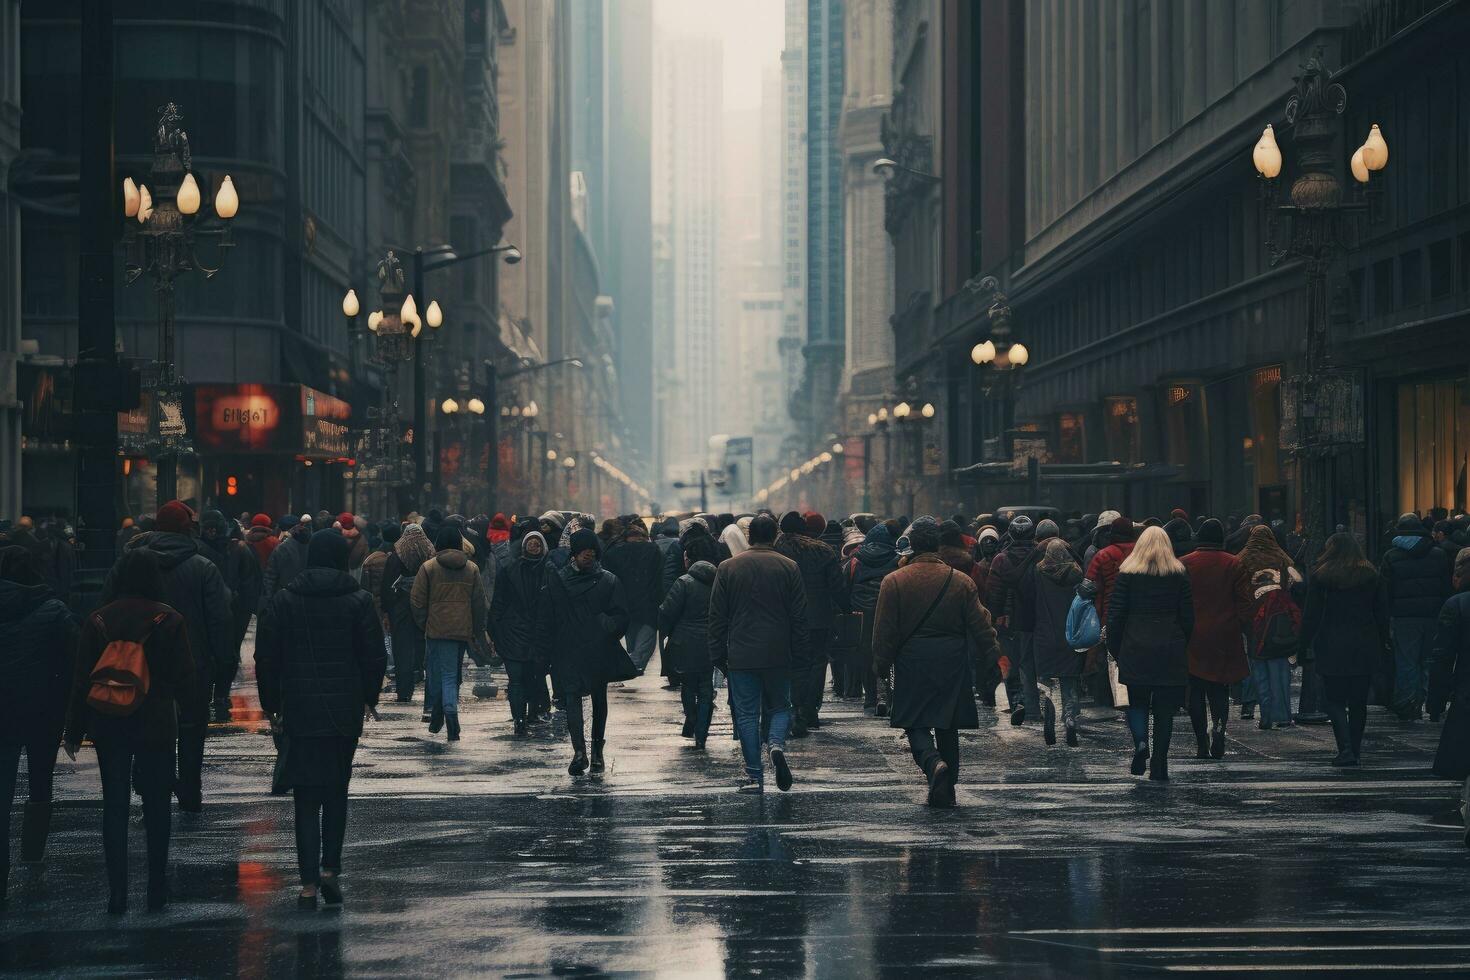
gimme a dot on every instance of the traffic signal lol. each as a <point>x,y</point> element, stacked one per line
<point>232,486</point>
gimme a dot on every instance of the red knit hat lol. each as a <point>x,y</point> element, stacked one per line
<point>346,520</point>
<point>815,523</point>
<point>174,516</point>
<point>260,520</point>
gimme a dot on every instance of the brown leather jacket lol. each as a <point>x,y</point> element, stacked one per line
<point>909,592</point>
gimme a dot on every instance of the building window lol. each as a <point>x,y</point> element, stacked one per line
<point>1123,438</point>
<point>1071,445</point>
<point>1263,445</point>
<point>1434,445</point>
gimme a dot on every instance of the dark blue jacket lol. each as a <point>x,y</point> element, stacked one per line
<point>1417,575</point>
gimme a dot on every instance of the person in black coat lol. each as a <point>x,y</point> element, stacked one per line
<point>683,619</point>
<point>288,558</point>
<point>135,752</point>
<point>242,575</point>
<point>197,591</point>
<point>826,597</point>
<point>1449,683</point>
<point>319,664</point>
<point>38,639</point>
<point>1150,619</point>
<point>1345,622</point>
<point>582,617</point>
<point>638,564</point>
<point>1417,575</point>
<point>410,551</point>
<point>873,561</point>
<point>514,608</point>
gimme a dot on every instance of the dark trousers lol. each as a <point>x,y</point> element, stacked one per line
<point>321,826</point>
<point>930,747</point>
<point>408,658</point>
<point>124,767</point>
<point>599,717</point>
<point>40,750</point>
<point>190,784</point>
<point>809,675</point>
<point>1203,693</point>
<point>538,699</point>
<point>520,678</point>
<point>1347,708</point>
<point>697,691</point>
<point>1160,702</point>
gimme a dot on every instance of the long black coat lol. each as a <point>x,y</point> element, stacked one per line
<point>1050,597</point>
<point>639,566</point>
<point>520,587</point>
<point>582,617</point>
<point>319,655</point>
<point>684,619</point>
<point>38,643</point>
<point>241,571</point>
<point>1150,619</point>
<point>1450,677</point>
<point>1346,623</point>
<point>287,561</point>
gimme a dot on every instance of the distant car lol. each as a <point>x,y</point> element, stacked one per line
<point>1037,513</point>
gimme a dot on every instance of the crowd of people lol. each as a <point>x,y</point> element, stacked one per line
<point>923,621</point>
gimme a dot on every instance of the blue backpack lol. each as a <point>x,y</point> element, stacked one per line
<point>1084,631</point>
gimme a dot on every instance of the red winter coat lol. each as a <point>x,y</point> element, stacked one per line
<point>262,542</point>
<point>1222,603</point>
<point>1104,571</point>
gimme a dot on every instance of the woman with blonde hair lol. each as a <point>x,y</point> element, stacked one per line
<point>1150,619</point>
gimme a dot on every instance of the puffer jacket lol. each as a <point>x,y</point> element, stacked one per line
<point>197,592</point>
<point>38,643</point>
<point>520,588</point>
<point>865,573</point>
<point>448,598</point>
<point>1417,576</point>
<point>821,574</point>
<point>319,658</point>
<point>684,619</point>
<point>287,561</point>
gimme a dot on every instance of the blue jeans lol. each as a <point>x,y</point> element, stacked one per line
<point>441,687</point>
<point>750,692</point>
<point>1272,680</point>
<point>1413,642</point>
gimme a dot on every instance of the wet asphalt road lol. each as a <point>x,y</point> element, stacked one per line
<point>486,858</point>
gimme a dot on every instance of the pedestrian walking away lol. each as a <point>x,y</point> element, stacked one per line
<point>826,599</point>
<point>1049,587</point>
<point>1417,576</point>
<point>932,630</point>
<point>683,619</point>
<point>449,606</point>
<point>1217,653</point>
<point>400,569</point>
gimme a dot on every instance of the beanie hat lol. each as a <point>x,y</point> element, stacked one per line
<point>1047,529</point>
<point>1211,532</point>
<point>815,523</point>
<point>950,535</point>
<point>448,539</point>
<point>327,549</point>
<point>1021,528</point>
<point>988,533</point>
<point>392,532</point>
<point>260,520</point>
<point>554,518</point>
<point>792,523</point>
<point>212,519</point>
<point>345,520</point>
<point>1122,529</point>
<point>174,516</point>
<point>1178,512</point>
<point>585,539</point>
<point>1106,519</point>
<point>1406,522</point>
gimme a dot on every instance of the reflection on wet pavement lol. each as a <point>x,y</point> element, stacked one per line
<point>484,857</point>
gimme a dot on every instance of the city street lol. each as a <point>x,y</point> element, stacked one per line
<point>486,858</point>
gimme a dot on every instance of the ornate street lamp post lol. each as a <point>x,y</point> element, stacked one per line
<point>162,239</point>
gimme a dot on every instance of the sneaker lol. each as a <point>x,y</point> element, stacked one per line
<point>783,771</point>
<point>880,710</point>
<point>751,787</point>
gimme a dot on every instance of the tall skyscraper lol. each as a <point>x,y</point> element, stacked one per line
<point>687,153</point>
<point>793,200</point>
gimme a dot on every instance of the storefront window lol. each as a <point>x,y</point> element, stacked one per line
<point>1434,445</point>
<point>1070,446</point>
<point>1264,443</point>
<point>1124,440</point>
<point>1185,429</point>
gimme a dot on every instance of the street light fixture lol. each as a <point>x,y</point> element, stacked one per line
<point>889,169</point>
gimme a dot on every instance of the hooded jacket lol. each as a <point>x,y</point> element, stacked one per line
<point>1048,591</point>
<point>519,591</point>
<point>1103,569</point>
<point>1004,581</point>
<point>821,575</point>
<point>581,618</point>
<point>865,572</point>
<point>38,643</point>
<point>448,597</point>
<point>197,592</point>
<point>262,541</point>
<point>170,675</point>
<point>1417,576</point>
<point>683,618</point>
<point>287,561</point>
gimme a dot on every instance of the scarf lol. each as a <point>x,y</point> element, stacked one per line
<point>577,582</point>
<point>1262,553</point>
<point>734,539</point>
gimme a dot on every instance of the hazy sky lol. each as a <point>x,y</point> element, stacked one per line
<point>753,31</point>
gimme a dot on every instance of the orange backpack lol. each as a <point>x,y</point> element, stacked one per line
<point>120,679</point>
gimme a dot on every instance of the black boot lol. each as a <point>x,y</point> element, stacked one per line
<point>1337,714</point>
<point>579,761</point>
<point>1158,768</point>
<point>35,826</point>
<point>520,728</point>
<point>1049,722</point>
<point>453,722</point>
<point>941,789</point>
<point>1140,758</point>
<point>598,765</point>
<point>1072,738</point>
<point>1201,745</point>
<point>436,721</point>
<point>1217,740</point>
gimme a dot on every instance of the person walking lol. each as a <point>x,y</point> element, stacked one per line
<point>1049,587</point>
<point>449,606</point>
<point>871,563</point>
<point>1266,567</point>
<point>1217,659</point>
<point>197,591</point>
<point>929,626</point>
<point>1112,543</point>
<point>288,557</point>
<point>683,619</point>
<point>261,539</point>
<point>38,643</point>
<point>1150,620</point>
<point>638,565</point>
<point>582,617</point>
<point>1418,578</point>
<point>242,574</point>
<point>1004,598</point>
<point>1346,624</point>
<point>757,629</point>
<point>1449,683</point>
<point>514,610</point>
<point>826,598</point>
<point>135,750</point>
<point>319,664</point>
<point>400,569</point>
